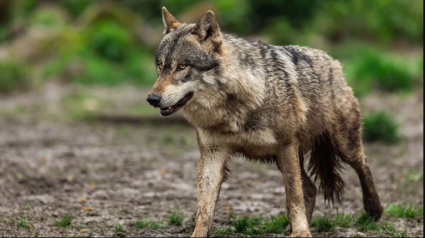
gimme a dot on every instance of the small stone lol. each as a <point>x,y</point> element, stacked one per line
<point>84,230</point>
<point>360,234</point>
<point>87,208</point>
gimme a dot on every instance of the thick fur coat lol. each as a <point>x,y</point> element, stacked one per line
<point>270,103</point>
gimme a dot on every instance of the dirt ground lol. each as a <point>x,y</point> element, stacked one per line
<point>108,172</point>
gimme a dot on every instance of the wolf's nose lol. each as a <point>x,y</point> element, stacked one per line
<point>153,99</point>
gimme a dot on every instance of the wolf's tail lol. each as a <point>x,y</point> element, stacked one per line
<point>325,164</point>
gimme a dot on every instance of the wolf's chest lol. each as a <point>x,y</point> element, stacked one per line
<point>253,144</point>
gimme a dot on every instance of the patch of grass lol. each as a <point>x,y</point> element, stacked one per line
<point>343,219</point>
<point>275,224</point>
<point>248,225</point>
<point>365,222</point>
<point>167,140</point>
<point>223,231</point>
<point>143,223</point>
<point>323,224</point>
<point>414,176</point>
<point>118,228</point>
<point>65,221</point>
<point>381,127</point>
<point>402,211</point>
<point>22,223</point>
<point>176,219</point>
<point>392,230</point>
<point>14,76</point>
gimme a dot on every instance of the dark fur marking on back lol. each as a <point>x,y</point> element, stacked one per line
<point>297,56</point>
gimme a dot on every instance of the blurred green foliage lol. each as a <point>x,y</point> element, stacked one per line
<point>109,40</point>
<point>380,127</point>
<point>13,76</point>
<point>372,69</point>
<point>110,49</point>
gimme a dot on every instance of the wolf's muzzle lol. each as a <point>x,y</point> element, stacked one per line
<point>154,99</point>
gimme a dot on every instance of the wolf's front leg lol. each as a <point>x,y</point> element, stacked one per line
<point>211,172</point>
<point>287,162</point>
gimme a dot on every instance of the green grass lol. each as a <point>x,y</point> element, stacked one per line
<point>119,228</point>
<point>392,230</point>
<point>65,221</point>
<point>323,224</point>
<point>147,223</point>
<point>223,231</point>
<point>22,223</point>
<point>366,223</point>
<point>343,219</point>
<point>403,211</point>
<point>248,225</point>
<point>275,224</point>
<point>380,127</point>
<point>176,219</point>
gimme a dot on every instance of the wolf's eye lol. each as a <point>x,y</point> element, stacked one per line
<point>159,65</point>
<point>181,67</point>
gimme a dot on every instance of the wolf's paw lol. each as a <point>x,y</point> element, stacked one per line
<point>302,233</point>
<point>374,211</point>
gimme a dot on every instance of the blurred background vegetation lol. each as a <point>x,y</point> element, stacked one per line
<point>112,42</point>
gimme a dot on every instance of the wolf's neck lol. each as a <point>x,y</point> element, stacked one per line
<point>241,89</point>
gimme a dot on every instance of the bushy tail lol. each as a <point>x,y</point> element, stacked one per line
<point>325,164</point>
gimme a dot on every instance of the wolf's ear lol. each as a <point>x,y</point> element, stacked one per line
<point>208,30</point>
<point>170,22</point>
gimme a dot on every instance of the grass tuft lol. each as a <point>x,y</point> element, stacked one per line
<point>392,230</point>
<point>343,219</point>
<point>248,225</point>
<point>118,228</point>
<point>380,127</point>
<point>176,219</point>
<point>142,223</point>
<point>275,224</point>
<point>223,231</point>
<point>365,222</point>
<point>22,223</point>
<point>323,224</point>
<point>65,221</point>
<point>402,211</point>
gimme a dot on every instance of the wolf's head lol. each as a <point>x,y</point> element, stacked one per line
<point>188,61</point>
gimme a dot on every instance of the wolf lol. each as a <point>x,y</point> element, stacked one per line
<point>277,104</point>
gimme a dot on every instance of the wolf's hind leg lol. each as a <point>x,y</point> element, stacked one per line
<point>348,138</point>
<point>371,202</point>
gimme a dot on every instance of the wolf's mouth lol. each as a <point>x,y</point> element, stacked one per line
<point>166,111</point>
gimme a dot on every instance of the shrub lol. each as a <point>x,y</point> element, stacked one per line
<point>14,76</point>
<point>380,127</point>
<point>109,39</point>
